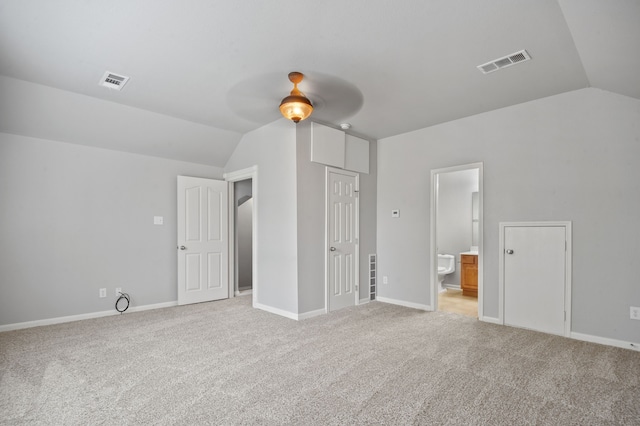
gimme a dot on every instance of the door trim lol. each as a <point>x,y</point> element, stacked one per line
<point>568,267</point>
<point>433,280</point>
<point>356,176</point>
<point>235,176</point>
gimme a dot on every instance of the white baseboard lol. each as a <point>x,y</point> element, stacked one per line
<point>404,303</point>
<point>363,301</point>
<point>312,314</point>
<point>71,318</point>
<point>243,292</point>
<point>605,341</point>
<point>491,320</point>
<point>277,311</point>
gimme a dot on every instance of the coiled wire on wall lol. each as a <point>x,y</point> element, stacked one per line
<point>123,296</point>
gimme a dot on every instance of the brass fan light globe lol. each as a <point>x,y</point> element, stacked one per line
<point>296,106</point>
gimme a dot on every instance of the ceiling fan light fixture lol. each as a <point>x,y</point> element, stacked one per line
<point>296,106</point>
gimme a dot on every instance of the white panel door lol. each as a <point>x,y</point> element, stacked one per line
<point>342,213</point>
<point>535,277</point>
<point>203,240</point>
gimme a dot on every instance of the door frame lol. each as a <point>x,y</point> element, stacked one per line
<point>327,273</point>
<point>433,286</point>
<point>567,269</point>
<point>235,176</point>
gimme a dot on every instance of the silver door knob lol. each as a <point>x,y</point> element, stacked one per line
<point>332,249</point>
<point>183,248</point>
<point>509,251</point>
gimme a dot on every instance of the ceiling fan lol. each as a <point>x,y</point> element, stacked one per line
<point>296,106</point>
<point>331,99</point>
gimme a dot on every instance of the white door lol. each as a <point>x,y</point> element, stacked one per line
<point>342,226</point>
<point>535,277</point>
<point>203,240</point>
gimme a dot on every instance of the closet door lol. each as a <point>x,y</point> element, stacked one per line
<point>535,277</point>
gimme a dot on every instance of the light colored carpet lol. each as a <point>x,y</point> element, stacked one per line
<point>225,363</point>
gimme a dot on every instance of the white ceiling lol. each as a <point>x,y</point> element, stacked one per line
<point>385,67</point>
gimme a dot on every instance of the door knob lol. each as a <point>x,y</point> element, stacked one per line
<point>183,248</point>
<point>509,251</point>
<point>332,249</point>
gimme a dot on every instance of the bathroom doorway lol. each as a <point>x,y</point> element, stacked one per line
<point>456,239</point>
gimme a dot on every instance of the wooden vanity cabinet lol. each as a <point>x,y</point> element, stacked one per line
<point>469,274</point>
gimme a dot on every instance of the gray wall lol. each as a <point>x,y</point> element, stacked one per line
<point>454,215</point>
<point>572,157</point>
<point>39,111</point>
<point>311,223</point>
<point>273,149</point>
<point>368,217</point>
<point>244,232</point>
<point>311,181</point>
<point>74,219</point>
<point>242,189</point>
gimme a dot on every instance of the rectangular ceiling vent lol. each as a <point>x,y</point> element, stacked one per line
<point>113,81</point>
<point>504,62</point>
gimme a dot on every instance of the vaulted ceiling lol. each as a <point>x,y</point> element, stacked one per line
<point>219,68</point>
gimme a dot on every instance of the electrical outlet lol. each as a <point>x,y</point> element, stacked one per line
<point>103,292</point>
<point>118,291</point>
<point>635,313</point>
<point>385,280</point>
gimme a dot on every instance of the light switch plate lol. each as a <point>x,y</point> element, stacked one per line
<point>158,220</point>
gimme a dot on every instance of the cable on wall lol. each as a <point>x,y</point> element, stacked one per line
<point>125,297</point>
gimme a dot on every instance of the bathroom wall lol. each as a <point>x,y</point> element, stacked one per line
<point>454,215</point>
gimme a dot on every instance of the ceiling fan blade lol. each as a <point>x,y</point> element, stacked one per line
<point>257,98</point>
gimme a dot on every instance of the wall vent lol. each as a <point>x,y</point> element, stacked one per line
<point>504,62</point>
<point>113,81</point>
<point>373,278</point>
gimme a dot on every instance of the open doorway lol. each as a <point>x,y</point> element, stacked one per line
<point>456,240</point>
<point>243,207</point>
<point>240,195</point>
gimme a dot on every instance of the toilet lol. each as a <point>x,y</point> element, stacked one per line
<point>446,266</point>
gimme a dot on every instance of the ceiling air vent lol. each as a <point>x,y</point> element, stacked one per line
<point>113,81</point>
<point>504,62</point>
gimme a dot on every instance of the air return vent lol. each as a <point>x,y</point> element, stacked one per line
<point>504,62</point>
<point>113,81</point>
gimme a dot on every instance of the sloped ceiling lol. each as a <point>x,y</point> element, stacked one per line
<point>218,69</point>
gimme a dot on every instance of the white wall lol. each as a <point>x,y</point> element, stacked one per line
<point>273,149</point>
<point>74,219</point>
<point>572,156</point>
